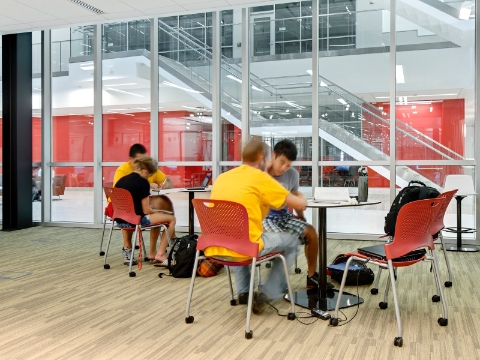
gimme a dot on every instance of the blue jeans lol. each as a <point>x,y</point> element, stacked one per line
<point>273,287</point>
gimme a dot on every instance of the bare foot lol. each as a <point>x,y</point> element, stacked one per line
<point>161,258</point>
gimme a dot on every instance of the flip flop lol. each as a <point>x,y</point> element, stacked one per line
<point>161,264</point>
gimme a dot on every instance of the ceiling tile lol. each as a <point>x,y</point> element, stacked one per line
<point>164,11</point>
<point>44,24</point>
<point>17,27</point>
<point>58,8</point>
<point>23,13</point>
<point>203,6</point>
<point>110,6</point>
<point>150,4</point>
<point>127,15</point>
<point>85,19</point>
<point>7,21</point>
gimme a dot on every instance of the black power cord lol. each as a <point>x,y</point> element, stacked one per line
<point>298,317</point>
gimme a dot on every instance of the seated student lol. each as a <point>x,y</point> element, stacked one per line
<point>257,191</point>
<point>157,180</point>
<point>137,184</point>
<point>284,152</point>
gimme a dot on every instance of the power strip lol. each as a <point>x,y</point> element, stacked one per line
<point>321,314</point>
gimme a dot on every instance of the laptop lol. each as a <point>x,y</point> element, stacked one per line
<point>378,252</point>
<point>331,195</point>
<point>204,183</point>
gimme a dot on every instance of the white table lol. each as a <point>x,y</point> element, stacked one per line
<point>191,196</point>
<point>321,298</point>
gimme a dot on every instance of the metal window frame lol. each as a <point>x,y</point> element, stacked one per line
<point>97,125</point>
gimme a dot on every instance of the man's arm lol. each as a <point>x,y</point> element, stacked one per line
<point>298,203</point>
<point>167,183</point>
<point>299,212</point>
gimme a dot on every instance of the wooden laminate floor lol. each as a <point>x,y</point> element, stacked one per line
<point>57,302</point>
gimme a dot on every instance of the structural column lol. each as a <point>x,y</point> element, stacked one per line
<point>17,131</point>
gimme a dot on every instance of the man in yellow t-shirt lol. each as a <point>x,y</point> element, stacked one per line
<point>157,180</point>
<point>258,192</point>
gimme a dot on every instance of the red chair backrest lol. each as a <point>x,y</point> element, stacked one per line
<point>438,221</point>
<point>107,185</point>
<point>413,227</point>
<point>123,207</point>
<point>224,223</point>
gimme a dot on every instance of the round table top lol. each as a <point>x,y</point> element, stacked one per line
<point>336,204</point>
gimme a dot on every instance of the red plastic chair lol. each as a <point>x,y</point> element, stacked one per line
<point>225,224</point>
<point>123,208</point>
<point>437,227</point>
<point>413,230</point>
<point>107,215</point>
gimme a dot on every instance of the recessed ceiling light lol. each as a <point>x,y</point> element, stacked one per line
<point>342,101</point>
<point>399,74</point>
<point>124,92</point>
<point>180,87</point>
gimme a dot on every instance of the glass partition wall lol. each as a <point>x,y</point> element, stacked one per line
<point>371,93</point>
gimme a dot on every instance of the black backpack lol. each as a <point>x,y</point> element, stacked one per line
<point>362,275</point>
<point>406,195</point>
<point>182,256</point>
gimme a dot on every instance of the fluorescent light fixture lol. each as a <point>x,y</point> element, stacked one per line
<point>431,108</point>
<point>87,66</point>
<point>255,88</point>
<point>292,104</point>
<point>465,11</point>
<point>125,92</point>
<point>342,101</point>
<point>195,108</point>
<point>122,84</point>
<point>271,117</point>
<point>287,110</point>
<point>180,87</point>
<point>399,74</point>
<point>234,78</point>
<point>414,112</point>
<point>353,114</point>
<point>237,105</point>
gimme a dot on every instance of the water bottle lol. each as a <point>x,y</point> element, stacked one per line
<point>362,184</point>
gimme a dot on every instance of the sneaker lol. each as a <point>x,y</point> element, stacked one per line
<point>243,298</point>
<point>259,302</point>
<point>312,282</point>
<point>127,253</point>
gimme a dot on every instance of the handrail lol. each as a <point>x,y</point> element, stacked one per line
<point>387,121</point>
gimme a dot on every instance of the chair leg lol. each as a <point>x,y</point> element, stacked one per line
<point>232,299</point>
<point>248,332</point>
<point>291,315</point>
<point>297,269</point>
<point>384,304</point>
<point>449,282</point>
<point>103,234</point>
<point>105,265</point>
<point>442,321</point>
<point>134,243</point>
<point>398,340</point>
<point>334,320</point>
<point>259,275</point>
<point>435,297</point>
<point>374,290</point>
<point>144,248</point>
<point>188,318</point>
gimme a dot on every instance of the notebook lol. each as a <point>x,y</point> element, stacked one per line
<point>378,252</point>
<point>332,195</point>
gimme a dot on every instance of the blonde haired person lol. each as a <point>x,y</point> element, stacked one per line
<point>137,184</point>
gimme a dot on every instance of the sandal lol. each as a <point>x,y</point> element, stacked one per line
<point>161,264</point>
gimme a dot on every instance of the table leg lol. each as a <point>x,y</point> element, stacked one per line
<point>459,230</point>
<point>191,195</point>
<point>322,298</point>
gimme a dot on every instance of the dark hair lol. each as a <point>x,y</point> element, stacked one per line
<point>286,148</point>
<point>137,149</point>
<point>252,149</point>
<point>148,164</point>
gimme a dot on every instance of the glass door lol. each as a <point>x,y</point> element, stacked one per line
<point>263,34</point>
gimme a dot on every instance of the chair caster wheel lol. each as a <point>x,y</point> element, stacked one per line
<point>443,322</point>
<point>374,291</point>
<point>435,298</point>
<point>233,302</point>
<point>137,247</point>
<point>248,334</point>
<point>132,274</point>
<point>398,342</point>
<point>334,321</point>
<point>291,316</point>
<point>383,305</point>
<point>448,284</point>
<point>268,266</point>
<point>103,253</point>
<point>106,266</point>
<point>298,270</point>
<point>189,319</point>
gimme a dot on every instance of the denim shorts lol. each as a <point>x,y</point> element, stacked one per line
<point>145,221</point>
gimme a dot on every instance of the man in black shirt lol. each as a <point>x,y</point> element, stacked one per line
<point>137,184</point>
